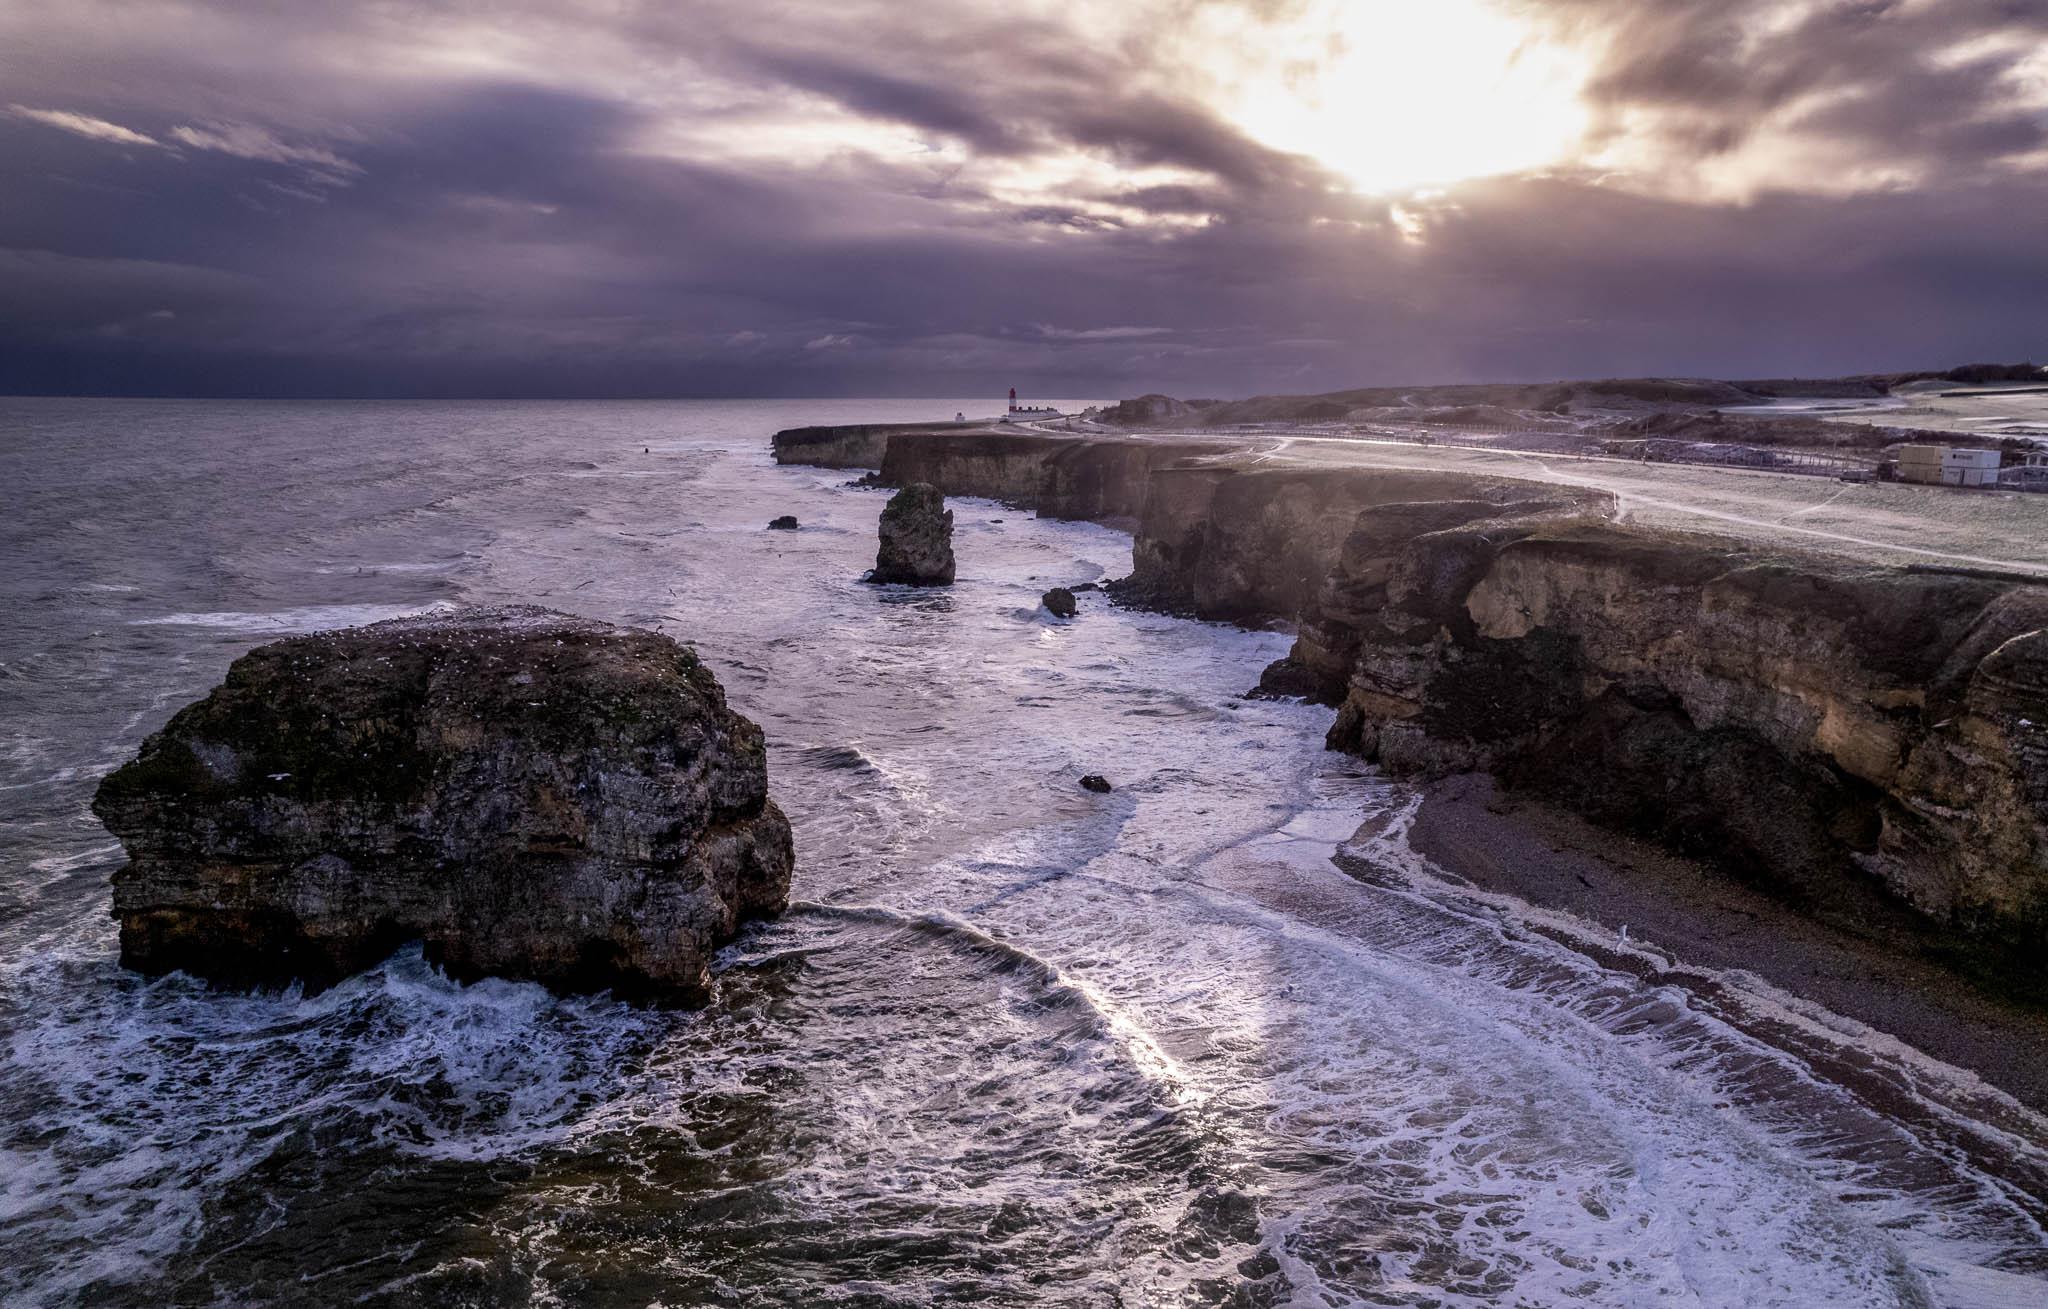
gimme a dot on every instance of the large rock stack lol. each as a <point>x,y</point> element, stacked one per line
<point>532,795</point>
<point>916,538</point>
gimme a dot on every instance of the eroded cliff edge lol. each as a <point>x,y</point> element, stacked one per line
<point>1868,741</point>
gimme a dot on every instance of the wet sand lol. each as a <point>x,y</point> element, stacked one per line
<point>1702,917</point>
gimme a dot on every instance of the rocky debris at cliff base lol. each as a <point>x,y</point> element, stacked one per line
<point>530,794</point>
<point>916,538</point>
<point>1096,782</point>
<point>1135,592</point>
<point>1285,678</point>
<point>786,523</point>
<point>1059,602</point>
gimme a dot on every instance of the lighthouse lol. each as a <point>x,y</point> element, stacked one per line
<point>1019,412</point>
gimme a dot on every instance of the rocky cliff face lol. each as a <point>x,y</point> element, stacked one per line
<point>1099,481</point>
<point>532,795</point>
<point>1831,729</point>
<point>1214,538</point>
<point>1860,738</point>
<point>858,445</point>
<point>1254,545</point>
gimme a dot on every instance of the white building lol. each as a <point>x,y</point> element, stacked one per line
<point>1969,467</point>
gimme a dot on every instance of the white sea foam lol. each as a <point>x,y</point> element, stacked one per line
<point>305,618</point>
<point>1017,1042</point>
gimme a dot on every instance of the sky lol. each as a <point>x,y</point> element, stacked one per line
<point>1079,198</point>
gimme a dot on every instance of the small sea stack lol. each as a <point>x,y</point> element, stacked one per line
<point>530,794</point>
<point>916,532</point>
<point>1059,602</point>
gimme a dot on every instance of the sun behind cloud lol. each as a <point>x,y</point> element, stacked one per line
<point>1392,95</point>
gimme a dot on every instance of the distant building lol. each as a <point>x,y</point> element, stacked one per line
<point>1936,465</point>
<point>1970,468</point>
<point>1921,463</point>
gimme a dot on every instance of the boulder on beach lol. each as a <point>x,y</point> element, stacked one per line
<point>916,538</point>
<point>786,523</point>
<point>1059,602</point>
<point>530,794</point>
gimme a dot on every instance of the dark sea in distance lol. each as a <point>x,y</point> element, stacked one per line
<point>1014,1043</point>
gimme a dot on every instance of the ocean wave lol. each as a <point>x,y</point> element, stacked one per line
<point>182,1094</point>
<point>305,618</point>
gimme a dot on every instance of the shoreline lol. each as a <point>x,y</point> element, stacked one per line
<point>1863,740</point>
<point>1701,916</point>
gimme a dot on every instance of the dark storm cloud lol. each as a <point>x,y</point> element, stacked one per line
<point>948,108</point>
<point>1928,83</point>
<point>338,201</point>
<point>1023,89</point>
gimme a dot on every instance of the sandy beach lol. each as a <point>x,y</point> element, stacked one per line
<point>1704,918</point>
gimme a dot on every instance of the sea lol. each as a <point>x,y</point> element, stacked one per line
<point>1218,1037</point>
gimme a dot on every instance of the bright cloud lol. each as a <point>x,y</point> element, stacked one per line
<point>1393,95</point>
<point>247,141</point>
<point>97,129</point>
<point>557,196</point>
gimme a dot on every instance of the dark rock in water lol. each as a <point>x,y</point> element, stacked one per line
<point>786,523</point>
<point>1285,678</point>
<point>916,538</point>
<point>1059,602</point>
<point>532,795</point>
<point>1096,782</point>
<point>1086,586</point>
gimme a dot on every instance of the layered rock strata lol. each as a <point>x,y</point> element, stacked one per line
<point>1864,739</point>
<point>1824,727</point>
<point>531,795</point>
